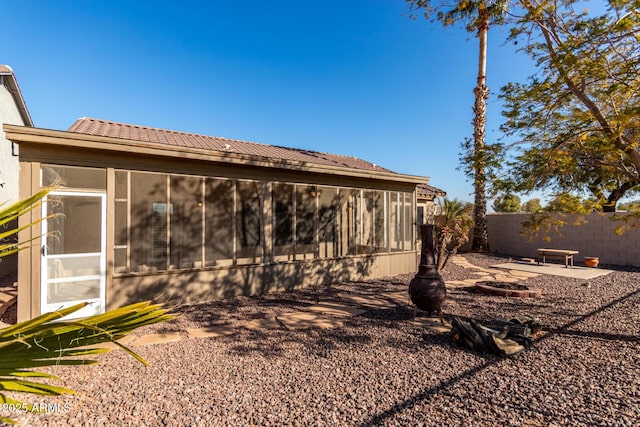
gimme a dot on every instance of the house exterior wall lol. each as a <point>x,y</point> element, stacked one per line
<point>8,161</point>
<point>8,167</point>
<point>592,235</point>
<point>249,276</point>
<point>198,286</point>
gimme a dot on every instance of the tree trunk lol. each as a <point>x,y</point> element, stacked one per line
<point>481,92</point>
<point>616,195</point>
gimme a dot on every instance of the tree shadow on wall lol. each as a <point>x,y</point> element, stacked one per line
<point>172,269</point>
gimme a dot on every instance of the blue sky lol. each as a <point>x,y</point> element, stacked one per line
<point>358,77</point>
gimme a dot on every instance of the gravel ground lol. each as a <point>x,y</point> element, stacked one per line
<point>378,369</point>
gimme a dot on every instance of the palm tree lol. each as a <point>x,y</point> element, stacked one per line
<point>479,15</point>
<point>48,340</point>
<point>451,229</point>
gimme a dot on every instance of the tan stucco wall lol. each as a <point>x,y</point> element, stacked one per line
<point>594,238</point>
<point>199,286</point>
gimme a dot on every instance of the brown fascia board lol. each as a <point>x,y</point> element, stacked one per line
<point>16,93</point>
<point>24,134</point>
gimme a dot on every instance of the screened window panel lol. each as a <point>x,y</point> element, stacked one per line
<point>420,218</point>
<point>74,177</point>
<point>248,221</point>
<point>77,227</point>
<point>121,237</point>
<point>380,224</point>
<point>186,222</point>
<point>328,202</point>
<point>408,222</point>
<point>219,215</point>
<point>348,221</point>
<point>149,221</point>
<point>121,222</point>
<point>366,229</point>
<point>122,185</point>
<point>198,222</point>
<point>282,197</point>
<point>120,260</point>
<point>305,221</point>
<point>395,226</point>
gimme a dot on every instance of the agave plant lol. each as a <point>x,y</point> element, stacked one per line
<point>49,340</point>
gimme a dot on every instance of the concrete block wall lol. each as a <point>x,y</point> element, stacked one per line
<point>592,235</point>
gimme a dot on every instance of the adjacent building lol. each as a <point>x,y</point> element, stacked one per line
<point>13,110</point>
<point>426,205</point>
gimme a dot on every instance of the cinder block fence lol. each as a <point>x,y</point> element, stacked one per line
<point>594,236</point>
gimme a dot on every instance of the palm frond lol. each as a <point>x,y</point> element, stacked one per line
<point>49,340</point>
<point>14,211</point>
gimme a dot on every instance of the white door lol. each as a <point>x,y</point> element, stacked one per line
<point>73,258</point>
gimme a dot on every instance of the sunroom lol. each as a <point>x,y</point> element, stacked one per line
<point>145,213</point>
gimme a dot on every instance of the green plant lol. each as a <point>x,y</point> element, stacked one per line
<point>452,227</point>
<point>507,203</point>
<point>49,340</point>
<point>8,234</point>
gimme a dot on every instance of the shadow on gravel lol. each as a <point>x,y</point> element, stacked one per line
<point>595,335</point>
<point>389,316</point>
<point>261,342</point>
<point>383,417</point>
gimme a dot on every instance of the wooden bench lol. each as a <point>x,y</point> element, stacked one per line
<point>560,253</point>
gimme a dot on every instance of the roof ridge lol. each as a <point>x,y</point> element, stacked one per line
<point>164,130</point>
<point>303,150</point>
<point>321,152</point>
<point>9,69</point>
<point>128,131</point>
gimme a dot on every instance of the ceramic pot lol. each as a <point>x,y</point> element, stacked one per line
<point>591,261</point>
<point>426,289</point>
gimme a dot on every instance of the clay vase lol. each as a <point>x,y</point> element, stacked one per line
<point>591,261</point>
<point>426,289</point>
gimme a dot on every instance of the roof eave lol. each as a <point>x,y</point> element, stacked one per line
<point>16,93</point>
<point>70,139</point>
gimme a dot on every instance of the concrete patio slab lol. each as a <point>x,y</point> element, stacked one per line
<point>305,320</point>
<point>258,324</point>
<point>457,284</point>
<point>335,309</point>
<point>523,274</point>
<point>211,331</point>
<point>555,270</point>
<point>157,339</point>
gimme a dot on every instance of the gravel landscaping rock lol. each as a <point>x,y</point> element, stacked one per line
<point>378,368</point>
